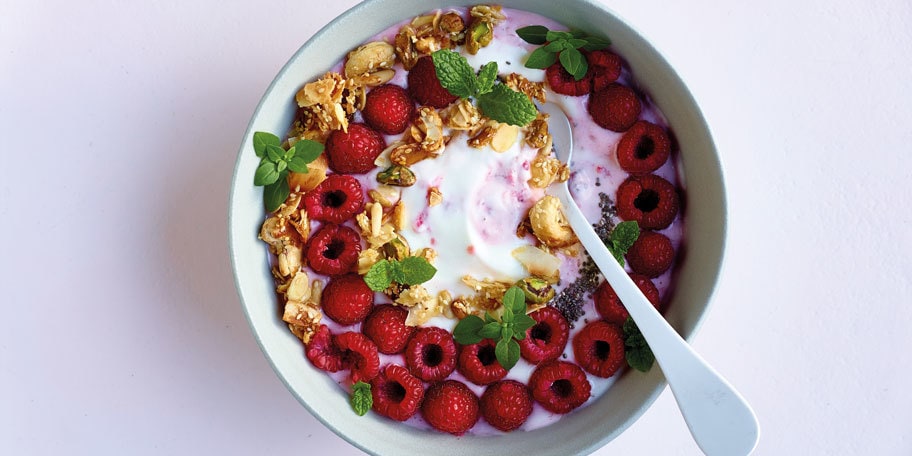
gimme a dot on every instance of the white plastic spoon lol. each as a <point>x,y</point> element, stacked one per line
<point>720,420</point>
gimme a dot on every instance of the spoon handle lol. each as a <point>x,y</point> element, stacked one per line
<point>720,420</point>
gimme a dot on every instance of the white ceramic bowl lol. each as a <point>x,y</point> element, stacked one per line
<point>586,429</point>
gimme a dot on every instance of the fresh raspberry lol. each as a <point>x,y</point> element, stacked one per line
<point>424,86</point>
<point>559,386</point>
<point>322,351</point>
<point>616,107</point>
<point>561,81</point>
<point>547,339</point>
<point>599,348</point>
<point>359,354</point>
<point>431,354</point>
<point>385,325</point>
<point>609,306</point>
<point>347,299</point>
<point>354,151</point>
<point>649,199</point>
<point>651,254</point>
<point>450,406</point>
<point>506,405</point>
<point>604,67</point>
<point>397,394</point>
<point>478,363</point>
<point>643,148</point>
<point>388,109</point>
<point>338,198</point>
<point>333,250</point>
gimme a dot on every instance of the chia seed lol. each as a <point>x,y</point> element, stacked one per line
<point>570,300</point>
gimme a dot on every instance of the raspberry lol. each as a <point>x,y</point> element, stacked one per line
<point>347,299</point>
<point>547,339</point>
<point>599,348</point>
<point>333,250</point>
<point>359,354</point>
<point>338,198</point>
<point>644,148</point>
<point>424,86</point>
<point>564,83</point>
<point>651,254</point>
<point>388,109</point>
<point>605,68</point>
<point>616,107</point>
<point>397,394</point>
<point>609,306</point>
<point>431,354</point>
<point>322,351</point>
<point>354,151</point>
<point>450,406</point>
<point>385,325</point>
<point>649,199</point>
<point>559,386</point>
<point>506,405</point>
<point>478,363</point>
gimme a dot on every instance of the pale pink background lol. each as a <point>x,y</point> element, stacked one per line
<point>122,332</point>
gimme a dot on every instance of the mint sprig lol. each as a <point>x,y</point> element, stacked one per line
<point>495,101</point>
<point>505,332</point>
<point>276,162</point>
<point>361,398</point>
<point>564,47</point>
<point>411,270</point>
<point>637,352</point>
<point>622,238</point>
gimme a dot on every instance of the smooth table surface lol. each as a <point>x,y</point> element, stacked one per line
<point>122,332</point>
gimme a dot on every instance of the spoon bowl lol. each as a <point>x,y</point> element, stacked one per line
<point>719,419</point>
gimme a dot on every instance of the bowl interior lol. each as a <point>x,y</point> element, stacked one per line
<point>581,432</point>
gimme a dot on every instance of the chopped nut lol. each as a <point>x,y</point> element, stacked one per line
<point>434,197</point>
<point>537,134</point>
<point>376,219</point>
<point>397,175</point>
<point>396,249</point>
<point>289,260</point>
<point>399,216</point>
<point>385,195</point>
<point>462,115</point>
<point>366,259</point>
<point>549,224</point>
<point>303,318</point>
<point>369,58</point>
<point>298,287</point>
<point>428,254</point>
<point>538,262</point>
<point>505,137</point>
<point>484,136</point>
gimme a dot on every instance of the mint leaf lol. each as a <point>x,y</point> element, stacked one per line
<point>622,238</point>
<point>467,331</point>
<point>275,152</point>
<point>307,150</point>
<point>506,105</point>
<point>261,139</point>
<point>361,399</point>
<point>487,76</point>
<point>637,352</point>
<point>541,59</point>
<point>298,164</point>
<point>490,330</point>
<point>507,353</point>
<point>555,46</point>
<point>553,35</point>
<point>275,194</point>
<point>413,270</point>
<point>595,43</point>
<point>515,301</point>
<point>533,34</point>
<point>574,62</point>
<point>521,324</point>
<point>266,174</point>
<point>506,332</point>
<point>455,73</point>
<point>379,277</point>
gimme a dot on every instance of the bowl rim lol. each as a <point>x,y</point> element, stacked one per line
<point>688,326</point>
